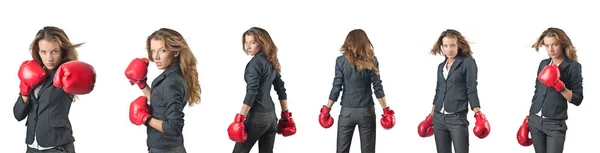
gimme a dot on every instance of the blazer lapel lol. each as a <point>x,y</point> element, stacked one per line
<point>48,82</point>
<point>564,64</point>
<point>457,62</point>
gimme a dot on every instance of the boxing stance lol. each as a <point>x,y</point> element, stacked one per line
<point>559,82</point>
<point>49,84</point>
<point>456,88</point>
<point>175,87</point>
<point>257,120</point>
<point>355,71</point>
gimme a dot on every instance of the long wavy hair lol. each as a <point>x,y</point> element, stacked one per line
<point>175,42</point>
<point>561,36</point>
<point>265,43</point>
<point>54,34</point>
<point>358,49</point>
<point>464,48</point>
<point>68,50</point>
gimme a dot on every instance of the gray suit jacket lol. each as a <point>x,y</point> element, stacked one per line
<point>167,99</point>
<point>460,87</point>
<point>553,103</point>
<point>47,115</point>
<point>356,85</point>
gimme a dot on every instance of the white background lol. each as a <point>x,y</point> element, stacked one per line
<point>308,35</point>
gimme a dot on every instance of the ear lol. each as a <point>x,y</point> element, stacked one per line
<point>176,53</point>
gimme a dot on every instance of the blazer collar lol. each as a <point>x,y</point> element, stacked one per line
<point>49,81</point>
<point>457,61</point>
<point>171,69</point>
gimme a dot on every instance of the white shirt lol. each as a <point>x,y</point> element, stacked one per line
<point>540,112</point>
<point>445,71</point>
<point>34,145</point>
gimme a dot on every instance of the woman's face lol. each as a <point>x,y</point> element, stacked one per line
<point>553,47</point>
<point>251,45</point>
<point>162,57</point>
<point>50,53</point>
<point>450,47</point>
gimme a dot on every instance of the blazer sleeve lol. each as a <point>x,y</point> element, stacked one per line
<point>252,78</point>
<point>21,109</point>
<point>338,80</point>
<point>471,79</point>
<point>173,125</point>
<point>279,87</point>
<point>376,81</point>
<point>575,83</point>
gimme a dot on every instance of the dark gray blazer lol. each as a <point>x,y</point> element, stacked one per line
<point>553,103</point>
<point>168,98</point>
<point>460,87</point>
<point>356,85</point>
<point>260,75</point>
<point>47,115</point>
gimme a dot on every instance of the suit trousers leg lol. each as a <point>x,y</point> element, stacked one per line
<point>458,126</point>
<point>267,140</point>
<point>443,141</point>
<point>346,125</point>
<point>367,129</point>
<point>180,149</point>
<point>537,135</point>
<point>256,125</point>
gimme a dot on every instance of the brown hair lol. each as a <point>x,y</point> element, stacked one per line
<point>357,48</point>
<point>463,45</point>
<point>54,34</point>
<point>265,43</point>
<point>174,42</point>
<point>561,36</point>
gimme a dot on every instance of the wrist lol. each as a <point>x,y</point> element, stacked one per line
<point>147,122</point>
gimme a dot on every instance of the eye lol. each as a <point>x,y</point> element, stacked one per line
<point>54,52</point>
<point>162,50</point>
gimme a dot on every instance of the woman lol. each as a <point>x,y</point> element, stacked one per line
<point>262,71</point>
<point>559,83</point>
<point>49,84</point>
<point>456,88</point>
<point>175,87</point>
<point>355,71</point>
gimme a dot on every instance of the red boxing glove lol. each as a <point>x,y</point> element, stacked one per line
<point>136,72</point>
<point>286,125</point>
<point>523,134</point>
<point>236,129</point>
<point>75,77</point>
<point>139,111</point>
<point>31,74</point>
<point>325,119</point>
<point>388,120</point>
<point>426,127</point>
<point>482,127</point>
<point>550,76</point>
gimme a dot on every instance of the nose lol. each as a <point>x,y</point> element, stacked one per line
<point>50,57</point>
<point>155,56</point>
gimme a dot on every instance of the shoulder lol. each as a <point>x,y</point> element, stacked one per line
<point>545,62</point>
<point>469,60</point>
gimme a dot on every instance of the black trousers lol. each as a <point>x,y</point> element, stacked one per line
<point>180,149</point>
<point>451,129</point>
<point>348,119</point>
<point>548,135</point>
<point>66,148</point>
<point>261,127</point>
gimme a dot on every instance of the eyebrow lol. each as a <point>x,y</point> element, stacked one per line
<point>50,50</point>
